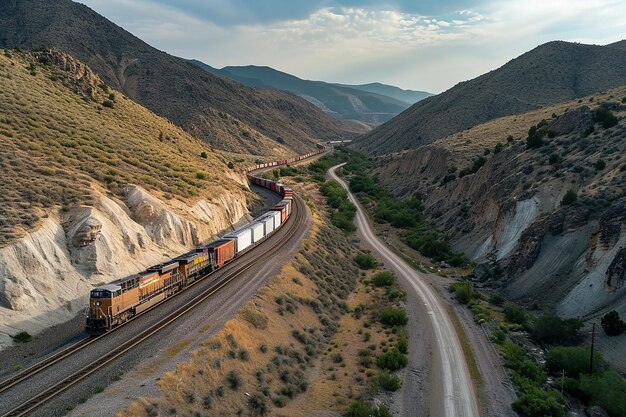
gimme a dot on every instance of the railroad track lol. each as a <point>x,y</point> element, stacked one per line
<point>295,222</point>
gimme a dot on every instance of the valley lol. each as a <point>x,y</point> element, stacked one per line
<point>186,230</point>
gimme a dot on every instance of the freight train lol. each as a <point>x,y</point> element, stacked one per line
<point>115,303</point>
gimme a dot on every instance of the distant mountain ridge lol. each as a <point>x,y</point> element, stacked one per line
<point>225,113</point>
<point>370,103</point>
<point>407,96</point>
<point>551,73</point>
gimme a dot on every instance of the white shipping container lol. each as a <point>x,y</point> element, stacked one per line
<point>288,204</point>
<point>258,231</point>
<point>276,216</point>
<point>268,223</point>
<point>242,238</point>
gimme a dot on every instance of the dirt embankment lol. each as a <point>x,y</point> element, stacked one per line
<point>47,275</point>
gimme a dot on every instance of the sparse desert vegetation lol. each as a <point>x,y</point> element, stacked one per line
<point>60,142</point>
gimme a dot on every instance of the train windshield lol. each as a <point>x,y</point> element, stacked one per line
<point>101,294</point>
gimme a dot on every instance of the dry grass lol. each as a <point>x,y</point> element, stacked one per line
<point>290,334</point>
<point>57,145</point>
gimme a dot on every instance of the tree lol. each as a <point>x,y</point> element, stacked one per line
<point>612,324</point>
<point>600,164</point>
<point>537,403</point>
<point>552,330</point>
<point>574,360</point>
<point>570,197</point>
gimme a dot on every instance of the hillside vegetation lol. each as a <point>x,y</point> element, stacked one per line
<point>551,73</point>
<point>65,135</point>
<point>226,114</point>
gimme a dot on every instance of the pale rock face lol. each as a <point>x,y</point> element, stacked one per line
<point>45,277</point>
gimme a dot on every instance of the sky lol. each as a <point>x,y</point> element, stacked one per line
<point>423,45</point>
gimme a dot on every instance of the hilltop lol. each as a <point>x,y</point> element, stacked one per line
<point>225,113</point>
<point>370,103</point>
<point>549,74</point>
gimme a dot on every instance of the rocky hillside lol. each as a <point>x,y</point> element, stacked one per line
<point>551,73</point>
<point>552,215</point>
<point>407,96</point>
<point>226,114</point>
<point>360,103</point>
<point>93,187</point>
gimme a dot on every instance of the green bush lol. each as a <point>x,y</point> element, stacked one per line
<point>394,317</point>
<point>392,360</point>
<point>607,389</point>
<point>515,314</point>
<point>463,292</point>
<point>537,403</point>
<point>612,324</point>
<point>498,148</point>
<point>573,360</point>
<point>204,155</point>
<point>552,330</point>
<point>362,409</point>
<point>600,164</point>
<point>605,117</point>
<point>234,380</point>
<point>387,381</point>
<point>108,103</point>
<point>570,197</point>
<point>365,261</point>
<point>383,279</point>
<point>403,345</point>
<point>22,337</point>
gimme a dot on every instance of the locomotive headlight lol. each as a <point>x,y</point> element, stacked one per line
<point>97,303</point>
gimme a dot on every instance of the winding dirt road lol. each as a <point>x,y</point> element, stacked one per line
<point>453,392</point>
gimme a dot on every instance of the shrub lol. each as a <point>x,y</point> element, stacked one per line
<point>22,337</point>
<point>363,409</point>
<point>204,155</point>
<point>403,345</point>
<point>201,175</point>
<point>234,380</point>
<point>365,261</point>
<point>570,197</point>
<point>538,403</point>
<point>383,279</point>
<point>608,390</point>
<point>552,330</point>
<point>573,360</point>
<point>624,100</point>
<point>612,324</point>
<point>600,165</point>
<point>387,381</point>
<point>394,317</point>
<point>231,165</point>
<point>515,314</point>
<point>108,103</point>
<point>463,291</point>
<point>258,404</point>
<point>392,360</point>
<point>605,117</point>
<point>498,148</point>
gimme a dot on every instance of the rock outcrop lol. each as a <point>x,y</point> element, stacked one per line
<point>46,276</point>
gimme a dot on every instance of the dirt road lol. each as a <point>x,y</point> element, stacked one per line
<point>452,393</point>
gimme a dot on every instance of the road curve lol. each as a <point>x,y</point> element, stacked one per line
<point>455,397</point>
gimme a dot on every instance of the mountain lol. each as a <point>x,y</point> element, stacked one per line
<point>94,187</point>
<point>225,113</point>
<point>407,96</point>
<point>341,101</point>
<point>550,73</point>
<point>496,198</point>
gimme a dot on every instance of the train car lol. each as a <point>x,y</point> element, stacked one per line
<point>242,239</point>
<point>272,186</point>
<point>194,264</point>
<point>287,193</point>
<point>223,250</point>
<point>282,209</point>
<point>258,231</point>
<point>112,304</point>
<point>267,220</point>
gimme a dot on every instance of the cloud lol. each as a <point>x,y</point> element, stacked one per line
<point>421,45</point>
